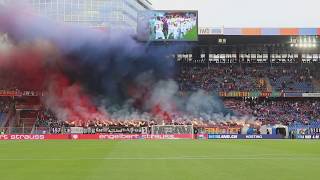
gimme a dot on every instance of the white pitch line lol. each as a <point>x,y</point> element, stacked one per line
<point>226,155</point>
<point>161,158</point>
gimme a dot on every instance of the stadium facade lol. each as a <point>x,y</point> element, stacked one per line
<point>3,2</point>
<point>104,14</point>
<point>267,52</point>
<point>253,49</point>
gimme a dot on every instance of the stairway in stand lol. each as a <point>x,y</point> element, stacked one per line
<point>28,124</point>
<point>268,84</point>
<point>316,84</point>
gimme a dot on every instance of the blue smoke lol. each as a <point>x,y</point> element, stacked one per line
<point>103,63</point>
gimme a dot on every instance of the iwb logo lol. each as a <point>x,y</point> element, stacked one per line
<point>75,136</point>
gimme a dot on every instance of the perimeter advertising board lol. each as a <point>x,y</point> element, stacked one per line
<point>309,136</point>
<point>243,136</point>
<point>37,137</point>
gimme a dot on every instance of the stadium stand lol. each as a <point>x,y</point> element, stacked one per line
<point>4,109</point>
<point>277,111</point>
<point>221,77</point>
<point>291,79</point>
<point>293,112</point>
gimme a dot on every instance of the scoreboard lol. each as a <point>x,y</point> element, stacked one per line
<point>163,25</point>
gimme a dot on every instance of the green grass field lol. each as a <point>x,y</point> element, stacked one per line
<point>192,35</point>
<point>165,160</point>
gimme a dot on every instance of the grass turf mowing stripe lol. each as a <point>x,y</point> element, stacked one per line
<point>167,158</point>
<point>160,160</point>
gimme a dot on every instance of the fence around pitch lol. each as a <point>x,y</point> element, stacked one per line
<point>24,130</point>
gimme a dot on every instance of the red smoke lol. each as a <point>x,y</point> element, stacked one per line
<point>23,68</point>
<point>32,63</point>
<point>142,94</point>
<point>34,68</point>
<point>72,101</point>
<point>165,115</point>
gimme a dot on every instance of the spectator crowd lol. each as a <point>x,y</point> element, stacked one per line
<point>246,78</point>
<point>219,77</point>
<point>277,111</point>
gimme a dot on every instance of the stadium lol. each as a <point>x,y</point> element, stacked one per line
<point>129,89</point>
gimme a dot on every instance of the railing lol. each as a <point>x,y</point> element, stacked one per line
<point>24,130</point>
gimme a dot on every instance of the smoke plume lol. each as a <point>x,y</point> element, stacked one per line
<point>88,74</point>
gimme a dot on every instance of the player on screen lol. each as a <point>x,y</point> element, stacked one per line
<point>176,31</point>
<point>170,32</point>
<point>183,27</point>
<point>159,28</point>
<point>152,28</point>
<point>178,26</point>
<point>189,25</point>
<point>172,28</point>
<point>165,27</point>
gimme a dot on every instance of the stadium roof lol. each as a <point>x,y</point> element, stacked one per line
<point>252,17</point>
<point>260,31</point>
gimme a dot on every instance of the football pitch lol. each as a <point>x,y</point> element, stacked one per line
<point>160,160</point>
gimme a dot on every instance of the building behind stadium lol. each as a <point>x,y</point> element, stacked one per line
<point>104,14</point>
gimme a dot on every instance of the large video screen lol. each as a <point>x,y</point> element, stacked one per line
<point>168,26</point>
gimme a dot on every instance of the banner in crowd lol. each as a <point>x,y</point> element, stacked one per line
<point>266,94</point>
<point>15,93</point>
<point>8,93</point>
<point>222,130</point>
<point>172,129</point>
<point>243,136</point>
<point>122,130</point>
<point>109,130</point>
<point>310,94</point>
<point>292,94</point>
<point>250,94</point>
<point>76,130</point>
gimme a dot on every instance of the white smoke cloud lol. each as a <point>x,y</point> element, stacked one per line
<point>164,94</point>
<point>5,44</point>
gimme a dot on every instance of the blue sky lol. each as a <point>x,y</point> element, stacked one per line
<point>249,13</point>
